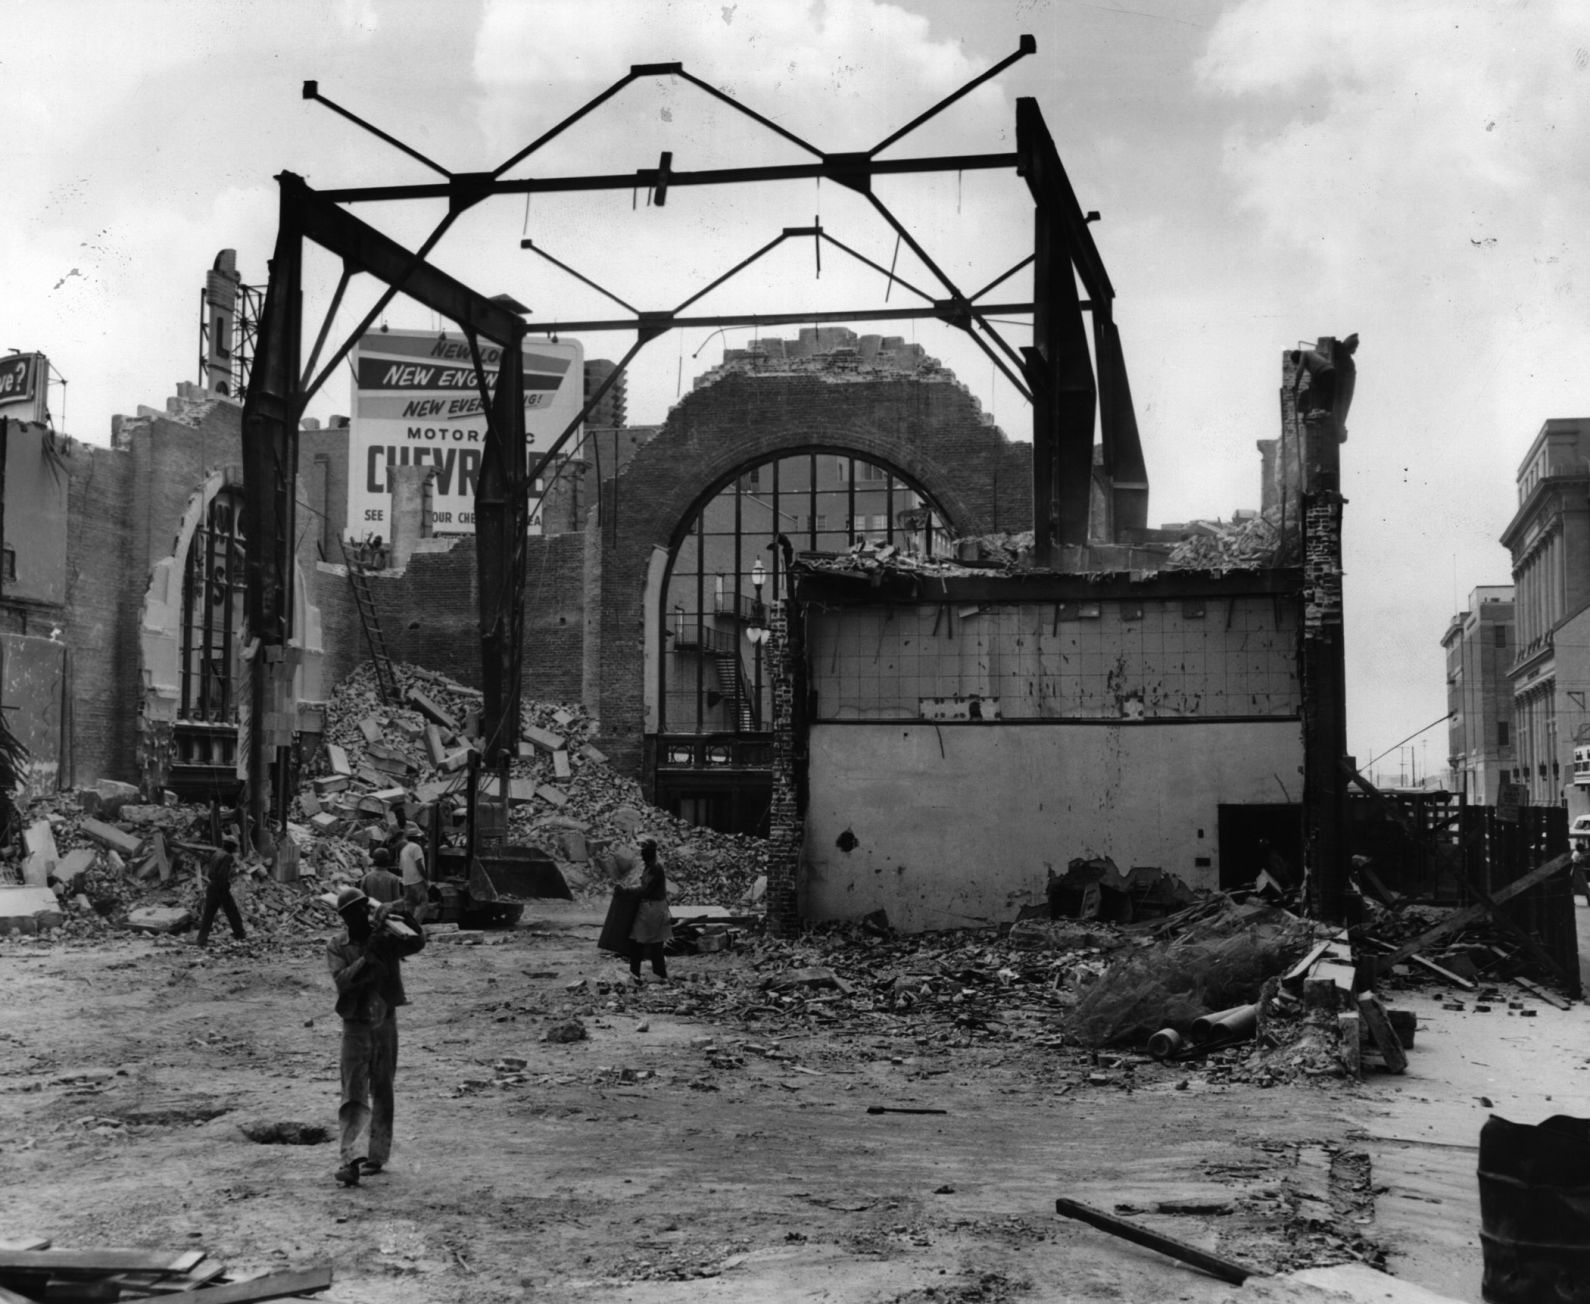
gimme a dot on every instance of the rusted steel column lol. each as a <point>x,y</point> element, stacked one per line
<point>502,519</point>
<point>270,456</point>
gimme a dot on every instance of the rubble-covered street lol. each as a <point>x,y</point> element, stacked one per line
<point>852,1116</point>
<point>853,1113</point>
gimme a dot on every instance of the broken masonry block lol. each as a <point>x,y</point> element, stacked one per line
<point>28,909</point>
<point>456,760</point>
<point>113,795</point>
<point>553,796</point>
<point>158,919</point>
<point>338,759</point>
<point>110,837</point>
<point>594,755</point>
<point>370,727</point>
<point>75,863</point>
<point>309,804</point>
<point>330,784</point>
<point>1350,1044</point>
<point>435,748</point>
<point>431,711</point>
<point>560,765</point>
<point>545,739</point>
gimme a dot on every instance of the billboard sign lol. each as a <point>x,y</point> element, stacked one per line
<point>416,402</point>
<point>22,386</point>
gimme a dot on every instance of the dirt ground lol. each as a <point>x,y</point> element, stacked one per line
<point>703,1142</point>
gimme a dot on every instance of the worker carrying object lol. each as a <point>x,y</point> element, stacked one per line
<point>366,966</point>
<point>218,891</point>
<point>653,927</point>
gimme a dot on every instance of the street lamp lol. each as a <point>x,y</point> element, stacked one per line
<point>757,633</point>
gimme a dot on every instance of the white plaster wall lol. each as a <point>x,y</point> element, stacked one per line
<point>955,824</point>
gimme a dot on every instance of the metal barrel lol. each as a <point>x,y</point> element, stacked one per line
<point>1535,1210</point>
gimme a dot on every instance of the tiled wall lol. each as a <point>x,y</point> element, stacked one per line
<point>1111,659</point>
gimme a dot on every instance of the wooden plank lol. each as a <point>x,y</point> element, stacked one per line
<point>117,1260</point>
<point>1307,962</point>
<point>1225,1269</point>
<point>26,1243</point>
<point>1373,1013</point>
<point>1541,994</point>
<point>1446,975</point>
<point>1460,919</point>
<point>278,1285</point>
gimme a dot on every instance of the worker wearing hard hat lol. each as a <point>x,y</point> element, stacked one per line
<point>366,966</point>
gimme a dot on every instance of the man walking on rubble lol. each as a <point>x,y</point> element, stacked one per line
<point>218,891</point>
<point>366,966</point>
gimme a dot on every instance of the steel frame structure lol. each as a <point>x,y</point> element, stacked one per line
<point>1056,373</point>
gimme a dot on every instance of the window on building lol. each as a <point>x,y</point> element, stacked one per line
<point>213,588</point>
<point>8,563</point>
<point>1501,635</point>
<point>715,677</point>
<point>1503,730</point>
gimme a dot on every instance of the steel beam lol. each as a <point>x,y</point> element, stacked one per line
<point>646,178</point>
<point>270,454</point>
<point>368,250</point>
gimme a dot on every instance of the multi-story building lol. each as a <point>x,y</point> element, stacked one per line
<point>1479,646</point>
<point>1549,539</point>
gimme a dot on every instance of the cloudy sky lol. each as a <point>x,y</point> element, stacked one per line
<point>1267,172</point>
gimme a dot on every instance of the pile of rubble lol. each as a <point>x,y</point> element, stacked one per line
<point>100,860</point>
<point>1250,542</point>
<point>380,764</point>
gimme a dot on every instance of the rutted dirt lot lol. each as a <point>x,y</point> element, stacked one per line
<point>704,1142</point>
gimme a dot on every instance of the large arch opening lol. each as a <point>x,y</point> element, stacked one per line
<point>727,565</point>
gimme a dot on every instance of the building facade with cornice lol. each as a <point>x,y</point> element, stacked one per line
<point>1549,540</point>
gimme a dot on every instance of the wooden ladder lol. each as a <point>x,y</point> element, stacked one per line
<point>364,600</point>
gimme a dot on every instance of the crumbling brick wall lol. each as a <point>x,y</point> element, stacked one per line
<point>430,616</point>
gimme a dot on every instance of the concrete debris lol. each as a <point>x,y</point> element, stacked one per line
<point>158,919</point>
<point>28,910</point>
<point>1250,543</point>
<point>375,775</point>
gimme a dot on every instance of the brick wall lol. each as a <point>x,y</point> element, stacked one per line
<point>101,628</point>
<point>125,506</point>
<point>430,616</point>
<point>931,431</point>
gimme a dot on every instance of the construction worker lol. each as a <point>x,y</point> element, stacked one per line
<point>366,966</point>
<point>411,862</point>
<point>380,884</point>
<point>218,891</point>
<point>653,926</point>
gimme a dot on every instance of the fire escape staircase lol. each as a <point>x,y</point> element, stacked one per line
<point>731,680</point>
<point>364,600</point>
